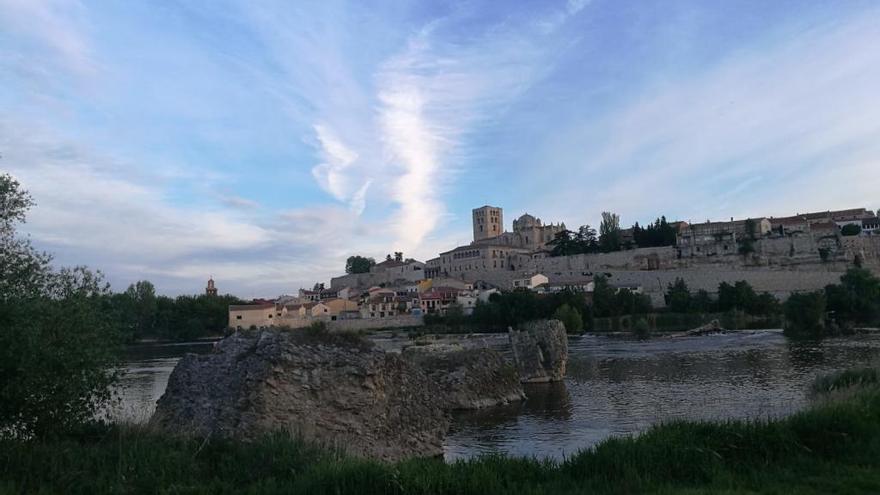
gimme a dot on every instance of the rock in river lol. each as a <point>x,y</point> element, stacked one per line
<point>468,378</point>
<point>329,388</point>
<point>540,350</point>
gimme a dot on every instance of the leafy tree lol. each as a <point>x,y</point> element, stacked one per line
<point>58,345</point>
<point>603,297</point>
<point>609,232</point>
<point>627,302</point>
<point>570,318</point>
<point>567,243</point>
<point>678,296</point>
<point>741,296</point>
<point>142,296</point>
<point>805,314</point>
<point>857,298</point>
<point>586,237</point>
<point>751,229</point>
<point>563,244</point>
<point>702,302</point>
<point>851,229</point>
<point>746,246</point>
<point>358,264</point>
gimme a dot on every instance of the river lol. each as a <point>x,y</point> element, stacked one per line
<point>612,387</point>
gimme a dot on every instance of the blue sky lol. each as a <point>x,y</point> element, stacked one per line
<point>264,142</point>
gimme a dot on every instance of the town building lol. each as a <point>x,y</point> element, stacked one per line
<point>246,316</point>
<point>529,281</point>
<point>211,290</point>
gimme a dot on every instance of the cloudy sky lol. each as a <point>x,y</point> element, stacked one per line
<point>263,142</point>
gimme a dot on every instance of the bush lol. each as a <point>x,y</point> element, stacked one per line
<point>571,318</point>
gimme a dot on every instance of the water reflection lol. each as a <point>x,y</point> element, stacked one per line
<point>145,377</point>
<point>620,387</point>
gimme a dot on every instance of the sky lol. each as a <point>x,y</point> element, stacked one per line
<point>264,142</point>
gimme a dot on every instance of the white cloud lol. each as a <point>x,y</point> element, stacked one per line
<point>57,24</point>
<point>792,113</point>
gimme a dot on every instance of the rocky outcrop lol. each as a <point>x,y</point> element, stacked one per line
<point>468,378</point>
<point>712,327</point>
<point>329,389</point>
<point>540,351</point>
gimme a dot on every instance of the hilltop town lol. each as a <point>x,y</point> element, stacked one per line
<point>778,256</point>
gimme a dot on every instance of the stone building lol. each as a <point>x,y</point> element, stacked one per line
<point>211,290</point>
<point>493,249</point>
<point>488,222</point>
<point>720,238</point>
<point>244,316</point>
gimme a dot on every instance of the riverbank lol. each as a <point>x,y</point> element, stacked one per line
<point>833,447</point>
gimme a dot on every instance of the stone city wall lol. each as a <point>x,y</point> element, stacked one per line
<point>356,323</point>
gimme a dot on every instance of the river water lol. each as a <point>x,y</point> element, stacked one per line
<point>612,387</point>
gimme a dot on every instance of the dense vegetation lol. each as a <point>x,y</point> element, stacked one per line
<point>831,448</point>
<point>141,314</point>
<point>505,309</point>
<point>57,341</point>
<point>855,301</point>
<point>739,296</point>
<point>609,238</point>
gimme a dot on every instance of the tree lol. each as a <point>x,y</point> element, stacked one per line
<point>142,295</point>
<point>603,297</point>
<point>660,233</point>
<point>570,318</point>
<point>678,297</point>
<point>702,302</point>
<point>805,314</point>
<point>586,237</point>
<point>563,244</point>
<point>857,298</point>
<point>751,229</point>
<point>358,264</point>
<point>851,229</point>
<point>58,345</point>
<point>609,232</point>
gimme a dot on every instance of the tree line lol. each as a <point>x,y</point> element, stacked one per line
<point>141,314</point>
<point>610,237</point>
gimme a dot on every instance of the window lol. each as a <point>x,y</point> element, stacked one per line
<point>270,315</point>
<point>238,317</point>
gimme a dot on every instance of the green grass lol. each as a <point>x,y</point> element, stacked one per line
<point>832,448</point>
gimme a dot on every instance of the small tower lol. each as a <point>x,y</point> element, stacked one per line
<point>488,222</point>
<point>210,289</point>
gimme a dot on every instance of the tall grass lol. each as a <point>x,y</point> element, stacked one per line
<point>832,448</point>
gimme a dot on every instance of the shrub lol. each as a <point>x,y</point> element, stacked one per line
<point>569,317</point>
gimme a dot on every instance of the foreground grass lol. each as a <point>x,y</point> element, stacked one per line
<point>833,448</point>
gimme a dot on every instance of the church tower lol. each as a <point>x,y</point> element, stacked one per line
<point>210,289</point>
<point>488,222</point>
